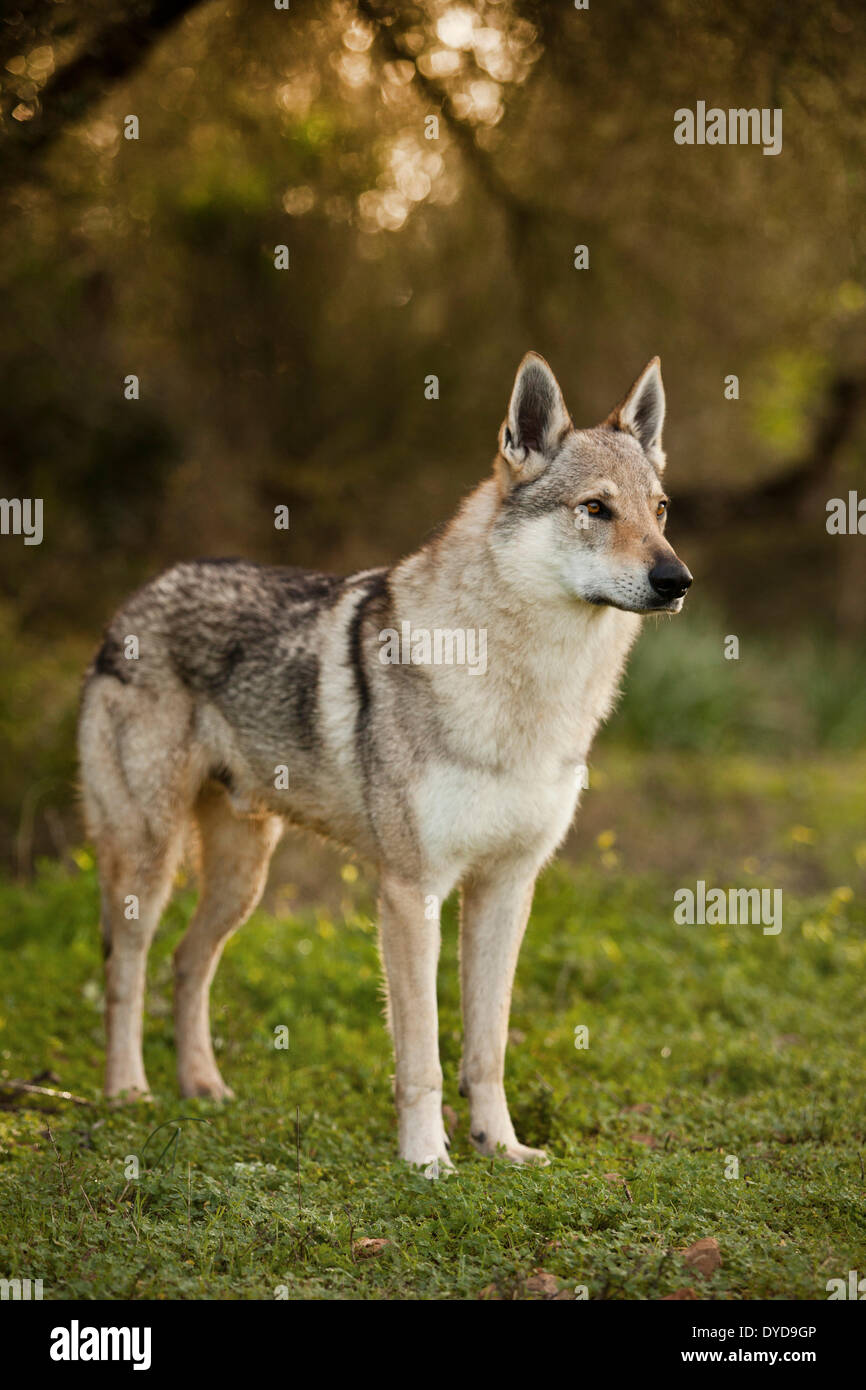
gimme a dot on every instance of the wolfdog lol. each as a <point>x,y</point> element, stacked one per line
<point>251,697</point>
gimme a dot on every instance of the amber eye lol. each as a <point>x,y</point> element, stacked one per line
<point>594,508</point>
<point>661,509</point>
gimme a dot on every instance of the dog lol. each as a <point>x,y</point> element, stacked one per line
<point>236,698</point>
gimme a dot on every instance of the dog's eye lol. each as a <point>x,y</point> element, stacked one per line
<point>661,509</point>
<point>584,510</point>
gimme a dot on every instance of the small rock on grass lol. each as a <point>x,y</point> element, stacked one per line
<point>542,1285</point>
<point>704,1257</point>
<point>368,1246</point>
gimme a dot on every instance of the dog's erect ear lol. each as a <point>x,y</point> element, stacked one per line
<point>536,422</point>
<point>642,413</point>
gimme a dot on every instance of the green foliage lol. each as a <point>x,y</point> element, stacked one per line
<point>783,694</point>
<point>39,682</point>
<point>791,379</point>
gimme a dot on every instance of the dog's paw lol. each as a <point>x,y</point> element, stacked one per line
<point>205,1088</point>
<point>509,1149</point>
<point>129,1095</point>
<point>428,1152</point>
<point>520,1153</point>
<point>433,1167</point>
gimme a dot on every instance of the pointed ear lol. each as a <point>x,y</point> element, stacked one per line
<point>536,421</point>
<point>642,413</point>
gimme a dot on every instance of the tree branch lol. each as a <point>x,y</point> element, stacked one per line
<point>107,57</point>
<point>519,214</point>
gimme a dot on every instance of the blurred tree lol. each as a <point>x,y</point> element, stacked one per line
<point>431,168</point>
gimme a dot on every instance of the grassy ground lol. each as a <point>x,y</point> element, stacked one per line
<point>705,1043</point>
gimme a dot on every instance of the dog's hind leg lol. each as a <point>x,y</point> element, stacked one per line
<point>135,889</point>
<point>235,853</point>
<point>136,779</point>
<point>494,913</point>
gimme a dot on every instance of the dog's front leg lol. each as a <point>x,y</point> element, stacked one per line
<point>494,913</point>
<point>410,953</point>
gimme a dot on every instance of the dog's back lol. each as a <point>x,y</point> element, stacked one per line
<point>215,669</point>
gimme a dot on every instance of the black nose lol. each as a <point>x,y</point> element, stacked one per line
<point>670,578</point>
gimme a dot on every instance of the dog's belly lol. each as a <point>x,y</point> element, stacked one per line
<point>469,818</point>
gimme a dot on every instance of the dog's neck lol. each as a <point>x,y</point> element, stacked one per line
<point>553,666</point>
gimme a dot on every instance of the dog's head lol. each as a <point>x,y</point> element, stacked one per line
<point>583,512</point>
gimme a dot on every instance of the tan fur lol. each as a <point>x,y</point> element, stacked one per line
<point>442,776</point>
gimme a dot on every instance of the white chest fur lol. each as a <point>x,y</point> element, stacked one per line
<point>519,737</point>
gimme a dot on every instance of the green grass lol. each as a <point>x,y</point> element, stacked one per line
<point>784,696</point>
<point>729,1041</point>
